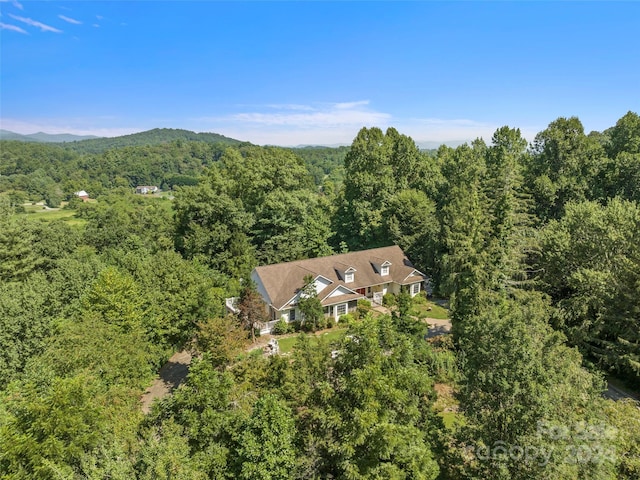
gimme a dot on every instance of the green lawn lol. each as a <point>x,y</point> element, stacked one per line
<point>35,212</point>
<point>423,308</point>
<point>286,344</point>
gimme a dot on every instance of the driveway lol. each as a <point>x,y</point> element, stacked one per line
<point>170,376</point>
<point>438,327</point>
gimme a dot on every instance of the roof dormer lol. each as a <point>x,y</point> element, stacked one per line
<point>381,266</point>
<point>346,272</point>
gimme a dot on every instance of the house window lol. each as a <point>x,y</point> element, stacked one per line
<point>384,270</point>
<point>292,315</point>
<point>415,289</point>
<point>348,277</point>
<point>341,309</point>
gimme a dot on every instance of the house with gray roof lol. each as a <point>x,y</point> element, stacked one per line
<point>340,281</point>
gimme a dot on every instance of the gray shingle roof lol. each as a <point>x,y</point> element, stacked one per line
<point>283,280</point>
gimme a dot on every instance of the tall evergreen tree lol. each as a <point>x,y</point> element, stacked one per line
<point>511,232</point>
<point>465,226</point>
<point>526,400</point>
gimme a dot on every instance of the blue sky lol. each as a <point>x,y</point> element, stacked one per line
<point>290,73</point>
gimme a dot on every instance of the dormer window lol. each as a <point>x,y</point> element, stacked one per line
<point>346,272</point>
<point>381,266</point>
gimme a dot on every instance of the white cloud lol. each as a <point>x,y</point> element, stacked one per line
<point>34,23</point>
<point>295,124</point>
<point>13,28</point>
<point>289,106</point>
<point>339,123</point>
<point>15,3</point>
<point>308,116</point>
<point>70,20</point>
<point>351,105</point>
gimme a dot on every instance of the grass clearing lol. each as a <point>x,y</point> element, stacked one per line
<point>332,335</point>
<point>36,212</point>
<point>423,308</point>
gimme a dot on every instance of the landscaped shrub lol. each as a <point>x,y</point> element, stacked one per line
<point>281,327</point>
<point>388,300</point>
<point>321,324</point>
<point>346,319</point>
<point>420,298</point>
<point>364,307</point>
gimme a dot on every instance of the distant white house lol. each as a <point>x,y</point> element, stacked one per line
<point>144,189</point>
<point>82,195</point>
<point>340,281</point>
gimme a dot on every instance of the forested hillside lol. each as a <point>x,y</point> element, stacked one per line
<point>536,248</point>
<point>156,136</point>
<point>163,157</point>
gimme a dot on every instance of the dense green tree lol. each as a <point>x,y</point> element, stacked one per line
<point>622,177</point>
<point>590,265</point>
<point>265,449</point>
<point>465,227</point>
<point>53,241</point>
<point>17,258</point>
<point>166,455</point>
<point>176,294</point>
<point>251,308</point>
<point>108,225</point>
<point>46,431</point>
<point>412,224</point>
<point>309,304</point>
<point>212,225</point>
<point>622,172</point>
<point>511,232</point>
<point>223,339</point>
<point>115,298</point>
<point>625,135</point>
<point>376,167</point>
<point>624,418</point>
<point>563,167</point>
<point>521,386</point>
<point>291,226</point>
<point>201,407</point>
<point>254,172</point>
<point>90,344</point>
<point>365,412</point>
<point>69,278</point>
<point>323,163</point>
<point>24,325</point>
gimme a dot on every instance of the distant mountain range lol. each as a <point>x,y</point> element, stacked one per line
<point>92,144</point>
<point>44,137</point>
